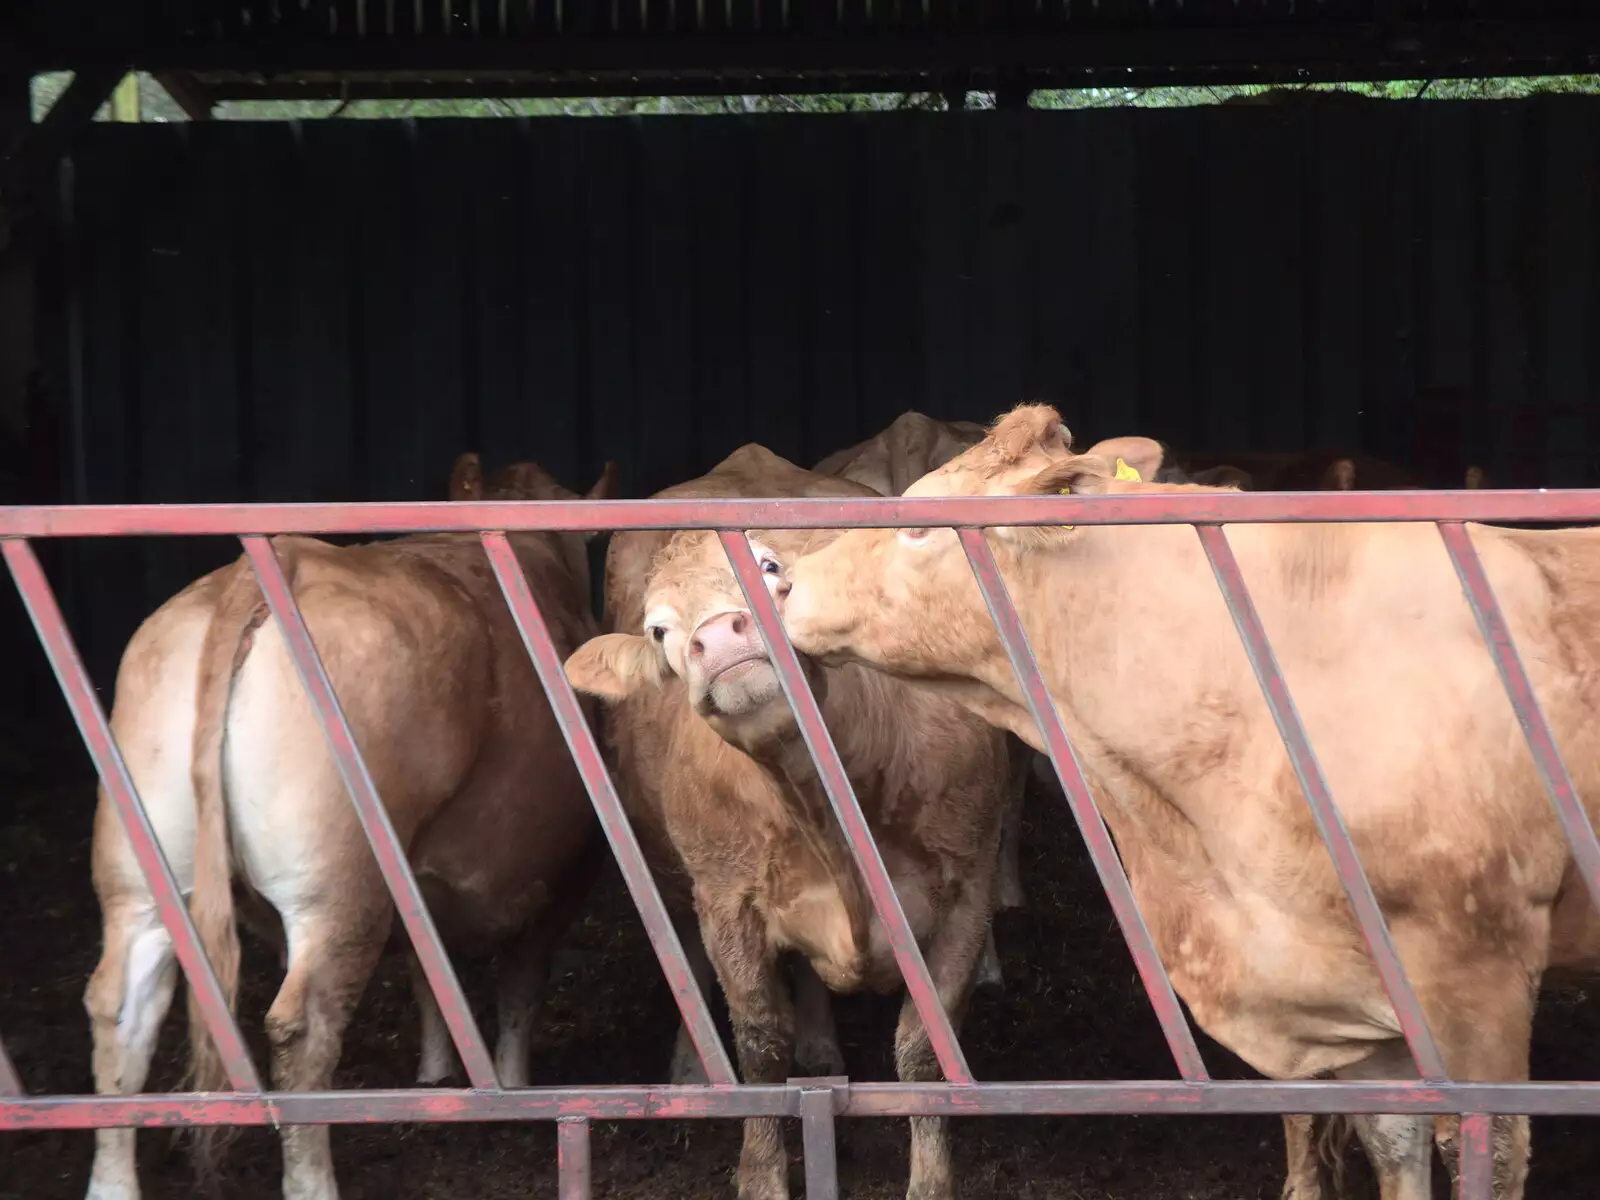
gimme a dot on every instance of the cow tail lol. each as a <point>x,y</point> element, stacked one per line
<point>240,611</point>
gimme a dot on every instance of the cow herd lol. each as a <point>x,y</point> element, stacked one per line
<point>1394,685</point>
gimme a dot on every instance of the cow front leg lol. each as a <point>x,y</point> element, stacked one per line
<point>763,1032</point>
<point>952,956</point>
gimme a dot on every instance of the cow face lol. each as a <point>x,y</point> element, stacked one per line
<point>698,627</point>
<point>905,600</point>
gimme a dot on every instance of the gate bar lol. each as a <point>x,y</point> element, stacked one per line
<point>81,697</point>
<point>1346,863</point>
<point>374,817</point>
<point>572,1158</point>
<point>1159,1097</point>
<point>931,512</point>
<point>1080,799</point>
<point>847,809</point>
<point>608,808</point>
<point>1477,1157</point>
<point>1530,713</point>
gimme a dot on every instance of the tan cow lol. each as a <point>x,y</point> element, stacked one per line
<point>1399,697</point>
<point>242,790</point>
<point>719,784</point>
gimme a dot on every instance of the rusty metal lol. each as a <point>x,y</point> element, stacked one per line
<point>814,1102</point>
<point>608,807</point>
<point>572,1158</point>
<point>847,809</point>
<point>82,699</point>
<point>386,847</point>
<point>1530,713</point>
<point>1080,799</point>
<point>92,520</point>
<point>1173,1098</point>
<point>1347,864</point>
<point>1477,1157</point>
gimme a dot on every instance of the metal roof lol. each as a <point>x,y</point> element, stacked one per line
<point>356,48</point>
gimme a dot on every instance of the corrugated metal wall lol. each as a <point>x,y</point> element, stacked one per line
<point>334,310</point>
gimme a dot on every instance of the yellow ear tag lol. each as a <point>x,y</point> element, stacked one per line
<point>1124,471</point>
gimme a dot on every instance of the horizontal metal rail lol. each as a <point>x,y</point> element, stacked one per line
<point>1159,1097</point>
<point>1186,508</point>
<point>816,1102</point>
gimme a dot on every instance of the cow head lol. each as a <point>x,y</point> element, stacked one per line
<point>905,600</point>
<point>698,627</point>
<point>522,481</point>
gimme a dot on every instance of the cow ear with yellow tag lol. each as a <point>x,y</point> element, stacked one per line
<point>1124,471</point>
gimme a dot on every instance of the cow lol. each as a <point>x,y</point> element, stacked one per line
<point>243,791</point>
<point>912,445</point>
<point>888,463</point>
<point>1398,695</point>
<point>728,803</point>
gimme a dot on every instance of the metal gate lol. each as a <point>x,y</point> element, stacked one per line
<point>816,1102</point>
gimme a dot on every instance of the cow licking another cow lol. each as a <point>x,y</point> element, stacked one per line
<point>249,807</point>
<point>1398,694</point>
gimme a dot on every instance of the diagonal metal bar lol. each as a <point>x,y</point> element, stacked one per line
<point>1530,713</point>
<point>608,806</point>
<point>118,783</point>
<point>10,1081</point>
<point>1157,984</point>
<point>847,810</point>
<point>1346,863</point>
<point>1477,1157</point>
<point>386,847</point>
<point>572,1158</point>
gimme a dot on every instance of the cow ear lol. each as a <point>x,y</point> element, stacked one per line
<point>1081,475</point>
<point>607,486</point>
<point>1142,454</point>
<point>466,478</point>
<point>614,666</point>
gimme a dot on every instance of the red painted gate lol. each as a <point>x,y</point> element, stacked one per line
<point>815,1102</point>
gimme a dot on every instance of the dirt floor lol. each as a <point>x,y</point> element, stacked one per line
<point>1072,1010</point>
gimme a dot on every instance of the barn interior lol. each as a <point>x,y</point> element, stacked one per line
<point>214,308</point>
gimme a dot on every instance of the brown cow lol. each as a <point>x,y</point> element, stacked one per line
<point>241,788</point>
<point>888,463</point>
<point>1419,744</point>
<point>720,786</point>
<point>912,445</point>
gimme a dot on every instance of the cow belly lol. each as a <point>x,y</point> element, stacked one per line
<point>1271,988</point>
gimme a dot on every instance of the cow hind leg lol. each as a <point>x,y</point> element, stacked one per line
<point>953,957</point>
<point>1008,891</point>
<point>437,1061</point>
<point>817,1051</point>
<point>128,998</point>
<point>331,957</point>
<point>523,975</point>
<point>687,1069</point>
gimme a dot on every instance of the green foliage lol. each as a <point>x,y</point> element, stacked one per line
<point>156,105</point>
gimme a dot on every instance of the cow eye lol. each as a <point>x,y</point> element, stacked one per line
<point>659,632</point>
<point>770,566</point>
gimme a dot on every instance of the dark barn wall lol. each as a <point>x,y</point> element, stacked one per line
<point>333,310</point>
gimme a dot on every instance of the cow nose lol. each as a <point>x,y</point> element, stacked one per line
<point>719,633</point>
